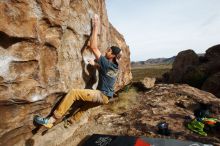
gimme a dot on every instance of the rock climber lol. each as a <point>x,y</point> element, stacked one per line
<point>108,71</point>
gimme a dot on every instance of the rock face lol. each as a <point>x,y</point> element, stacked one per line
<point>183,61</point>
<point>212,84</point>
<point>198,71</point>
<point>169,103</point>
<point>43,55</point>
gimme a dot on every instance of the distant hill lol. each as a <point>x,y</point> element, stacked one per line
<point>161,60</point>
<point>154,61</point>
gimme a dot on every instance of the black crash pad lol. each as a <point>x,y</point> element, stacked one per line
<point>111,140</point>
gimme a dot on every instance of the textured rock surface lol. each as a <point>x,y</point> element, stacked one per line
<point>213,53</point>
<point>148,82</point>
<point>212,84</point>
<point>201,72</point>
<point>183,60</point>
<point>42,56</point>
<point>170,103</point>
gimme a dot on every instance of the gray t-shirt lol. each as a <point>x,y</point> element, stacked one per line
<point>108,72</point>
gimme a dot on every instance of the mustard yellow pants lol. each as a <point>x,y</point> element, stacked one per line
<point>79,94</point>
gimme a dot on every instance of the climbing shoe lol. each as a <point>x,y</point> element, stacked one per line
<point>43,121</point>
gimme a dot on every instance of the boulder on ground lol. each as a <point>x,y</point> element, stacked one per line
<point>183,61</point>
<point>148,82</point>
<point>201,72</point>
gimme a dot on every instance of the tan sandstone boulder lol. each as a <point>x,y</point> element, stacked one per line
<point>42,45</point>
<point>148,82</point>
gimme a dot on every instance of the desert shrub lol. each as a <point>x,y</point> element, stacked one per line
<point>126,100</point>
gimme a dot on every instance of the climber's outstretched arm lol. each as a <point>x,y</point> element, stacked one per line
<point>94,37</point>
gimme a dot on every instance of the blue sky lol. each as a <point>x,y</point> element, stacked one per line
<point>162,28</point>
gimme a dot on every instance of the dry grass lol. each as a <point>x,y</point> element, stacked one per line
<point>155,71</point>
<point>126,101</point>
<point>154,66</point>
<point>128,98</point>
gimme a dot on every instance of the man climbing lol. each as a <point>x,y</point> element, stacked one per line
<point>108,70</point>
